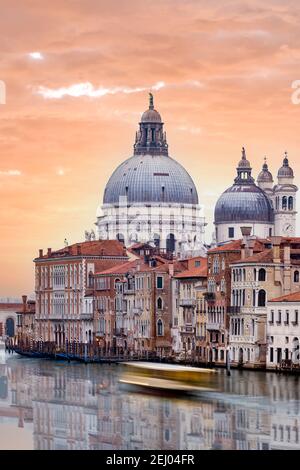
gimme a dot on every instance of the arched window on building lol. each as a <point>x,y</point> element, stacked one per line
<point>296,276</point>
<point>160,328</point>
<point>284,203</point>
<point>121,237</point>
<point>262,298</point>
<point>262,275</point>
<point>291,203</point>
<point>159,303</point>
<point>170,243</point>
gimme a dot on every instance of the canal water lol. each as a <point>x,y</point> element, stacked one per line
<point>56,405</point>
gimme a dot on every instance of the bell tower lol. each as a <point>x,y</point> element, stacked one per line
<point>285,193</point>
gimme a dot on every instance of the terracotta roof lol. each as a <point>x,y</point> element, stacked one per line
<point>8,306</point>
<point>265,256</point>
<point>236,245</point>
<point>193,272</point>
<point>92,248</point>
<point>294,297</point>
<point>126,267</point>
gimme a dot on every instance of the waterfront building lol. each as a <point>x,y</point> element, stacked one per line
<point>218,298</point>
<point>256,279</point>
<point>64,304</point>
<point>8,317</point>
<point>26,322</point>
<point>267,209</point>
<point>188,322</point>
<point>151,198</point>
<point>133,305</point>
<point>283,329</point>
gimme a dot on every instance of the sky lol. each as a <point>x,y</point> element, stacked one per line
<point>77,75</point>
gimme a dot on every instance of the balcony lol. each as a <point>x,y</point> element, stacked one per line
<point>136,310</point>
<point>242,339</point>
<point>187,329</point>
<point>187,303</point>
<point>213,326</point>
<point>87,316</point>
<point>128,290</point>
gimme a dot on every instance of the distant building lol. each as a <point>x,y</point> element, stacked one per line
<point>188,324</point>
<point>150,197</point>
<point>267,209</point>
<point>283,329</point>
<point>64,306</point>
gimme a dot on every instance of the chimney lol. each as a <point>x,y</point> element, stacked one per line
<point>276,241</point>
<point>24,300</point>
<point>49,252</point>
<point>138,265</point>
<point>287,254</point>
<point>246,251</point>
<point>171,269</point>
<point>40,253</point>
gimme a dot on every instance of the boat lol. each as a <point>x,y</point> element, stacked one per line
<point>168,377</point>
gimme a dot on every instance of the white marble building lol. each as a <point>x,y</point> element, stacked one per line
<point>150,197</point>
<point>269,210</point>
<point>283,330</point>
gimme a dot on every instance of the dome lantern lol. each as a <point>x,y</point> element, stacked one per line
<point>285,171</point>
<point>151,138</point>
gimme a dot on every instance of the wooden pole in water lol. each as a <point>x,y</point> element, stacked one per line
<point>228,361</point>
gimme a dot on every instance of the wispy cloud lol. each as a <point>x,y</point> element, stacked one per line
<point>88,89</point>
<point>36,55</point>
<point>10,173</point>
<point>190,129</point>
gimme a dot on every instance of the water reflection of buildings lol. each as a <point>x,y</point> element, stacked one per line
<point>84,407</point>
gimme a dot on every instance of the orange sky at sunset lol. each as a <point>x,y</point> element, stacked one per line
<point>224,71</point>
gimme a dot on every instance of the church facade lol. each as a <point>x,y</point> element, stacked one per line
<point>270,210</point>
<point>151,198</point>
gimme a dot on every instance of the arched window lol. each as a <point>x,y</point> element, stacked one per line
<point>262,298</point>
<point>291,203</point>
<point>160,328</point>
<point>120,237</point>
<point>159,303</point>
<point>284,203</point>
<point>262,275</point>
<point>296,276</point>
<point>170,243</point>
<point>156,239</point>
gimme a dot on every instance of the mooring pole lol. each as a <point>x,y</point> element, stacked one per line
<point>228,361</point>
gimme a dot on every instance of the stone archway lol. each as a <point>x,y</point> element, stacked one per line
<point>241,356</point>
<point>10,327</point>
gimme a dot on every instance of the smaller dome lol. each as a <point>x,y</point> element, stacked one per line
<point>265,176</point>
<point>285,171</point>
<point>151,115</point>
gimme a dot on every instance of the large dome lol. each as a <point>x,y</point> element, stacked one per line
<point>244,203</point>
<point>151,178</point>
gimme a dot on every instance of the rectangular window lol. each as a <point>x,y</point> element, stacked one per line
<point>231,232</point>
<point>272,317</point>
<point>296,317</point>
<point>271,354</point>
<point>197,263</point>
<point>279,317</point>
<point>287,317</point>
<point>159,282</point>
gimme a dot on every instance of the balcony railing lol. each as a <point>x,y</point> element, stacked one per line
<point>136,310</point>
<point>187,303</point>
<point>214,326</point>
<point>86,316</point>
<point>242,339</point>
<point>187,329</point>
